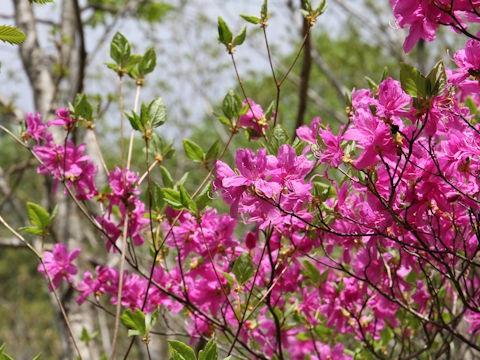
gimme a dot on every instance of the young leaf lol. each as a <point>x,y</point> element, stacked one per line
<point>232,103</point>
<point>240,38</point>
<point>278,137</point>
<point>213,151</point>
<point>203,199</point>
<point>158,198</point>
<point>193,151</point>
<point>210,352</point>
<point>166,177</point>
<point>181,351</point>
<point>134,320</point>
<point>82,107</point>
<point>172,198</point>
<point>321,7</point>
<point>311,271</point>
<point>224,33</point>
<point>120,49</point>
<point>11,34</point>
<point>38,216</point>
<point>243,268</point>
<point>413,83</point>
<point>4,356</point>
<point>148,62</point>
<point>185,199</point>
<point>438,79</point>
<point>157,112</point>
<point>135,120</point>
<point>251,19</point>
<point>264,10</point>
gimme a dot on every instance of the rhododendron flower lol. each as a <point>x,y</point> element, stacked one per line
<point>309,133</point>
<point>468,59</point>
<point>254,117</point>
<point>36,129</point>
<point>63,119</point>
<point>391,99</point>
<point>59,264</point>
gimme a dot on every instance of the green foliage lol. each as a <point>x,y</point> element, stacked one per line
<point>4,356</point>
<point>41,2</point>
<point>224,33</point>
<point>243,268</point>
<point>210,352</point>
<point>39,218</point>
<point>193,151</point>
<point>417,85</point>
<point>137,322</point>
<point>11,34</point>
<point>83,108</point>
<point>180,351</point>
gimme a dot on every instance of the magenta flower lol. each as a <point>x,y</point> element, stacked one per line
<point>63,119</point>
<point>59,264</point>
<point>391,99</point>
<point>36,129</point>
<point>254,118</point>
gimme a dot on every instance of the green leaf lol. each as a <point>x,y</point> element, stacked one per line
<point>303,336</point>
<point>243,268</point>
<point>213,151</point>
<point>193,151</point>
<point>232,103</point>
<point>471,105</point>
<point>413,83</point>
<point>134,320</point>
<point>82,107</point>
<point>230,279</point>
<point>38,357</point>
<point>32,230</point>
<point>185,199</point>
<point>38,216</point>
<point>41,2</point>
<point>224,33</point>
<point>438,79</point>
<point>148,62</point>
<point>172,198</point>
<point>158,198</point>
<point>135,120</point>
<point>251,19</point>
<point>321,7</point>
<point>264,10</point>
<point>308,5</point>
<point>311,271</point>
<point>157,112</point>
<point>120,49</point>
<point>278,137</point>
<point>11,34</point>
<point>240,38</point>
<point>181,351</point>
<point>4,356</point>
<point>166,177</point>
<point>210,352</point>
<point>203,199</point>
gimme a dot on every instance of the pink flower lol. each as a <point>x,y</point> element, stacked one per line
<point>63,119</point>
<point>391,99</point>
<point>254,117</point>
<point>58,264</point>
<point>36,129</point>
<point>309,134</point>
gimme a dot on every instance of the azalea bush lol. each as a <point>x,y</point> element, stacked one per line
<point>353,244</point>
